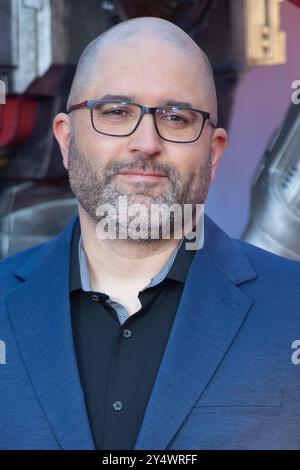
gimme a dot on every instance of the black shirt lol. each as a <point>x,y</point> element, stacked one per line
<point>118,363</point>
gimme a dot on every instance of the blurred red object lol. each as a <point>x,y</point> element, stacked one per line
<point>17,118</point>
<point>295,2</point>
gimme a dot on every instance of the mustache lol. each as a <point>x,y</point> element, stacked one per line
<point>140,163</point>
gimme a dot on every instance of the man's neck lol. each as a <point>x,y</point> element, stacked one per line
<point>125,264</point>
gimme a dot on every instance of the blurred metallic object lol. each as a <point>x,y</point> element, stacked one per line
<point>275,204</point>
<point>25,48</point>
<point>265,42</point>
<point>32,213</point>
<point>38,34</point>
<point>2,92</point>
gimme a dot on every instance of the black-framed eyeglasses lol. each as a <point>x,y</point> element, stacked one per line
<point>121,118</point>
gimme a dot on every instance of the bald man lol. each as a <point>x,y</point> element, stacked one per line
<point>121,333</point>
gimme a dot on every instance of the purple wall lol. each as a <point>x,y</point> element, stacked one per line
<point>262,99</point>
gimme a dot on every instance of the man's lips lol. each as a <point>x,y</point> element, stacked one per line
<point>138,175</point>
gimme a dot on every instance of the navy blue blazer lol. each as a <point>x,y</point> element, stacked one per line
<point>228,378</point>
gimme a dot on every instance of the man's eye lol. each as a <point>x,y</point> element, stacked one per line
<point>175,118</point>
<point>115,112</point>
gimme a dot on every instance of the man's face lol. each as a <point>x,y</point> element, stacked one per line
<point>152,74</point>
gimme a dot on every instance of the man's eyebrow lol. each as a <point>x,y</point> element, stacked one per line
<point>117,97</point>
<point>131,99</point>
<point>173,102</point>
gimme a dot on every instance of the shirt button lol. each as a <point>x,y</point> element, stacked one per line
<point>117,405</point>
<point>127,333</point>
<point>95,297</point>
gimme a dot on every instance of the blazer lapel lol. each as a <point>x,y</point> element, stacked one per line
<point>40,315</point>
<point>210,314</point>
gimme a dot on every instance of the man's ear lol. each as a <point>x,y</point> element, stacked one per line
<point>218,145</point>
<point>62,132</point>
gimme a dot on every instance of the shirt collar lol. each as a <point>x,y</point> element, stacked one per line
<point>175,268</point>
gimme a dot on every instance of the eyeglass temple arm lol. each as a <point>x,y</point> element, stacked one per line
<point>84,104</point>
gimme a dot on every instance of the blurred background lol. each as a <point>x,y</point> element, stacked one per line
<point>254,47</point>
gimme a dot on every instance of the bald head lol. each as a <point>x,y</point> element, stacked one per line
<point>135,31</point>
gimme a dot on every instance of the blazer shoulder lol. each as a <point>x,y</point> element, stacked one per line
<point>17,267</point>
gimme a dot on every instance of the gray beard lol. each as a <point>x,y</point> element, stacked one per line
<point>94,185</point>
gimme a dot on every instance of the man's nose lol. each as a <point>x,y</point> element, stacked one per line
<point>145,138</point>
